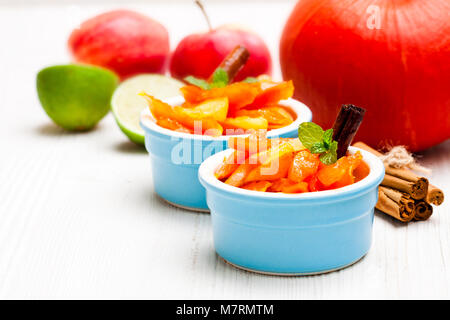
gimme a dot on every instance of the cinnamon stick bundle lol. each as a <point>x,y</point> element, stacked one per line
<point>396,204</point>
<point>347,123</point>
<point>401,179</point>
<point>234,62</point>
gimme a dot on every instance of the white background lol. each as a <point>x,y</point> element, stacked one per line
<point>78,215</point>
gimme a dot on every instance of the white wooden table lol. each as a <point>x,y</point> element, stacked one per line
<point>79,218</point>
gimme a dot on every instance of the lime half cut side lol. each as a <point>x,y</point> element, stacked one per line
<point>127,104</point>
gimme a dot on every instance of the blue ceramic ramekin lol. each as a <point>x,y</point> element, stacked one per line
<point>176,156</point>
<point>292,234</point>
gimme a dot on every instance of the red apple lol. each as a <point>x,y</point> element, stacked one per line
<point>124,41</point>
<point>200,54</point>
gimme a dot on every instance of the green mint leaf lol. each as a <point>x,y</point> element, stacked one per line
<point>318,147</point>
<point>333,146</point>
<point>318,141</point>
<point>198,82</point>
<point>310,133</point>
<point>328,157</point>
<point>220,78</point>
<point>328,138</point>
<point>250,80</point>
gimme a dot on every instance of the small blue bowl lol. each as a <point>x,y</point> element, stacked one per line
<point>292,234</point>
<point>176,156</point>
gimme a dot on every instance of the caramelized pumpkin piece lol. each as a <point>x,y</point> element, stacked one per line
<point>340,174</point>
<point>273,94</point>
<point>278,148</point>
<point>211,127</point>
<point>245,123</point>
<point>158,108</point>
<point>299,187</point>
<point>250,145</point>
<point>314,184</point>
<point>286,185</point>
<point>352,162</point>
<point>275,169</point>
<point>216,109</point>
<point>237,178</point>
<point>305,164</point>
<point>172,125</point>
<point>162,110</point>
<point>229,165</point>
<point>331,173</point>
<point>239,94</point>
<point>276,116</point>
<point>257,186</point>
<point>361,171</point>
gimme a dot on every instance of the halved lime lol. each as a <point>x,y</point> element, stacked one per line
<point>76,97</point>
<point>127,104</point>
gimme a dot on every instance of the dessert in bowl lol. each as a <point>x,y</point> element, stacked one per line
<point>300,232</point>
<point>177,155</point>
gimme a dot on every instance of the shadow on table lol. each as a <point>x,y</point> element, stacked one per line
<point>387,218</point>
<point>50,129</point>
<point>129,147</point>
<point>222,263</point>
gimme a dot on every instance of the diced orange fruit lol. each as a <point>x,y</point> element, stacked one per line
<point>275,169</point>
<point>257,186</point>
<point>304,165</point>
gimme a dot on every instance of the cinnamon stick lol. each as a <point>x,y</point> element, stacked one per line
<point>233,62</point>
<point>398,207</point>
<point>422,210</point>
<point>435,195</point>
<point>401,179</point>
<point>347,123</point>
<point>416,189</point>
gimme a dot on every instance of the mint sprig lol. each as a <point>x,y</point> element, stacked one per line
<point>318,141</point>
<point>219,80</point>
<point>250,80</point>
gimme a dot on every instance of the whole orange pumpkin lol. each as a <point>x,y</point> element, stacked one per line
<point>391,57</point>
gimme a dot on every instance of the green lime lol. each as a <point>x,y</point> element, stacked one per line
<point>76,97</point>
<point>127,104</point>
